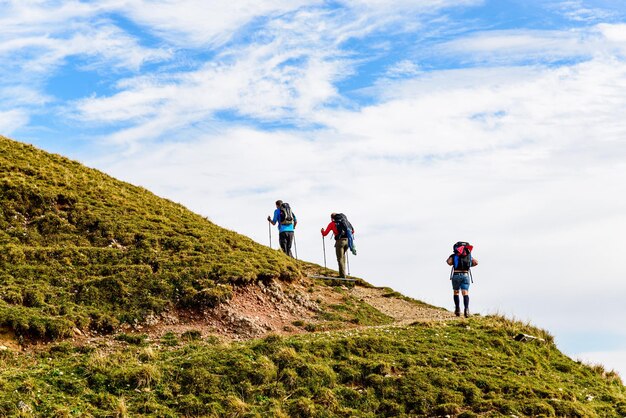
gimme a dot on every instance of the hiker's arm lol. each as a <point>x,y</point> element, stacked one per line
<point>474,262</point>
<point>329,228</point>
<point>272,221</point>
<point>295,221</point>
<point>449,261</point>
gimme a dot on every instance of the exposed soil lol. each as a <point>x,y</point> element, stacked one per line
<point>256,310</point>
<point>8,341</point>
<point>260,309</point>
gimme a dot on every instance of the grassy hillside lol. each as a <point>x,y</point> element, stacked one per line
<point>79,249</point>
<point>460,368</point>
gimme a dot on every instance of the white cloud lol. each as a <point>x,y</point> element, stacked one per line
<point>404,68</point>
<point>21,95</point>
<point>39,36</point>
<point>402,9</point>
<point>104,44</point>
<point>613,33</point>
<point>22,18</point>
<point>11,120</point>
<point>286,77</point>
<point>576,10</point>
<point>289,75</point>
<point>199,23</point>
<point>537,46</point>
<point>286,73</point>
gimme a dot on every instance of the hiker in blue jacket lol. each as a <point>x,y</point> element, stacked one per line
<point>461,261</point>
<point>286,220</point>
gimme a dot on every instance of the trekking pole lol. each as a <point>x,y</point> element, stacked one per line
<point>348,261</point>
<point>269,229</point>
<point>295,245</point>
<point>324,248</point>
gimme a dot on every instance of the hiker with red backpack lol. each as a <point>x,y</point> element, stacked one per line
<point>286,220</point>
<point>461,261</point>
<point>344,238</point>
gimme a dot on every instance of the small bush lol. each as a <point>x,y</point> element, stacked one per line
<point>12,296</point>
<point>209,297</point>
<point>33,298</point>
<point>191,335</point>
<point>169,339</point>
<point>134,339</point>
<point>146,376</point>
<point>447,409</point>
<point>301,408</point>
<point>538,409</point>
<point>311,327</point>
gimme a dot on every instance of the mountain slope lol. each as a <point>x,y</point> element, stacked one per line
<point>82,250</point>
<point>82,254</point>
<point>119,303</point>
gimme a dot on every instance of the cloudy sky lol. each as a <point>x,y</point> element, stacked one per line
<point>500,122</point>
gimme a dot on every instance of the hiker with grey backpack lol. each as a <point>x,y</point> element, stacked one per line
<point>461,261</point>
<point>287,221</point>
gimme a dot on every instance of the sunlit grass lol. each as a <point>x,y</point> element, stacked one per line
<point>461,368</point>
<point>79,249</point>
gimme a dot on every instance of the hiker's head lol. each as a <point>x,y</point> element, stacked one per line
<point>278,203</point>
<point>332,216</point>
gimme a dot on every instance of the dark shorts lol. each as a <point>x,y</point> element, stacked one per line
<point>460,281</point>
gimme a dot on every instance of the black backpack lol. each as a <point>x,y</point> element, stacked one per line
<point>343,225</point>
<point>286,216</point>
<point>462,256</point>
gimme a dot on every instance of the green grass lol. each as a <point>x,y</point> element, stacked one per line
<point>79,249</point>
<point>462,368</point>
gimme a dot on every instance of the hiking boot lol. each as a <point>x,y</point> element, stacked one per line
<point>457,311</point>
<point>466,313</point>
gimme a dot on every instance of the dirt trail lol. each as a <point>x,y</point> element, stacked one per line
<point>403,311</point>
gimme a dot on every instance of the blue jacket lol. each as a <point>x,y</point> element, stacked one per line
<point>283,228</point>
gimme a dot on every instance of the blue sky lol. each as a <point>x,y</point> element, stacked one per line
<point>498,122</point>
